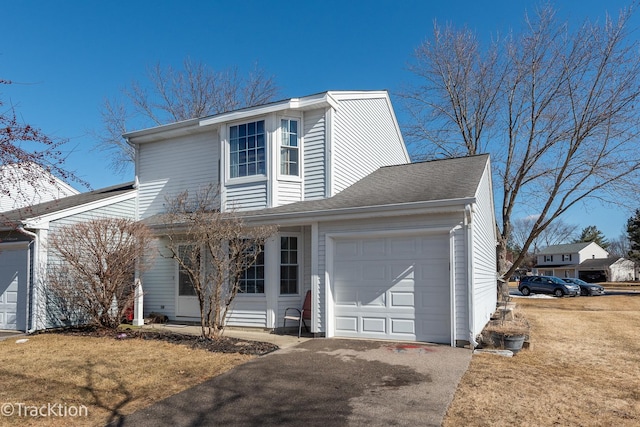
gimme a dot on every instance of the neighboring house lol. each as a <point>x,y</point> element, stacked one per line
<point>20,192</point>
<point>388,249</point>
<point>584,260</point>
<point>24,256</point>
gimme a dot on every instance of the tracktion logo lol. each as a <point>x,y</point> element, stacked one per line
<point>48,410</point>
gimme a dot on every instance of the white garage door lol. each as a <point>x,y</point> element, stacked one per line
<point>13,286</point>
<point>392,288</point>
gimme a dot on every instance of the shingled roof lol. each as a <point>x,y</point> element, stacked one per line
<point>567,248</point>
<point>436,180</point>
<point>61,204</point>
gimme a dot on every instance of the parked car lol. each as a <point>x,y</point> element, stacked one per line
<point>589,289</point>
<point>547,285</point>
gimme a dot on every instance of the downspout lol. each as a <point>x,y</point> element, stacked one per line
<point>468,224</point>
<point>30,285</point>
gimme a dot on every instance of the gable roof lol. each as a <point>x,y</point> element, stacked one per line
<point>597,263</point>
<point>318,100</point>
<point>54,206</point>
<point>564,248</point>
<point>454,179</point>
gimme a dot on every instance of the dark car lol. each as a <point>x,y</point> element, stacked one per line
<point>547,285</point>
<point>589,289</point>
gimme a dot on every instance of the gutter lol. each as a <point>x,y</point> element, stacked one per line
<point>31,294</point>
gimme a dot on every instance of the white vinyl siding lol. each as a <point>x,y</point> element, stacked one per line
<point>159,282</point>
<point>46,315</point>
<point>365,138</point>
<point>248,311</point>
<point>248,196</point>
<point>30,191</point>
<point>289,192</point>
<point>123,209</point>
<point>167,168</point>
<point>484,254</point>
<point>314,154</point>
<point>460,265</point>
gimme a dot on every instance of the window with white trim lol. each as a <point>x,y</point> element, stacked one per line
<point>548,258</point>
<point>566,257</point>
<point>288,265</point>
<point>252,280</point>
<point>289,147</point>
<point>247,148</point>
<point>187,253</point>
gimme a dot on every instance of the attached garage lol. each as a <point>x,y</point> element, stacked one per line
<point>408,253</point>
<point>394,287</point>
<point>14,268</point>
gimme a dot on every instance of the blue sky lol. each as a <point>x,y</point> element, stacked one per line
<point>69,56</point>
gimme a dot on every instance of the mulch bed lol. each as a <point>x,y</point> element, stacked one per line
<point>219,345</point>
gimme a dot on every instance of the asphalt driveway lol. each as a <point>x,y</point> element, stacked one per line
<point>322,382</point>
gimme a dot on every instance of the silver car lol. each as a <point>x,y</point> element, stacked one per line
<point>586,288</point>
<point>547,285</point>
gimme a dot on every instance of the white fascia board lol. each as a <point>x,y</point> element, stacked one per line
<point>401,209</point>
<point>159,133</point>
<point>42,222</point>
<point>305,103</point>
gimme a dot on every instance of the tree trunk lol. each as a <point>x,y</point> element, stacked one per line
<point>501,255</point>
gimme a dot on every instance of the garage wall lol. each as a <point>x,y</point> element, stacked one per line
<point>373,224</point>
<point>484,254</point>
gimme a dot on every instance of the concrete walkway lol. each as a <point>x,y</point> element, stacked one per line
<point>322,382</point>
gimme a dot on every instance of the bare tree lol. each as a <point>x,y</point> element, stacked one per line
<point>556,233</point>
<point>619,247</point>
<point>92,266</point>
<point>555,108</point>
<point>213,249</point>
<point>26,156</point>
<point>172,95</point>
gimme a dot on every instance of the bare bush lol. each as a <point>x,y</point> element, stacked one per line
<point>92,266</point>
<point>213,249</point>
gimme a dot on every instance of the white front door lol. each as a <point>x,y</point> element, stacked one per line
<point>392,288</point>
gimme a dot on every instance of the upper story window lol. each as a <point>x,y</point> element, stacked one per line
<point>566,257</point>
<point>548,258</point>
<point>247,149</point>
<point>289,147</point>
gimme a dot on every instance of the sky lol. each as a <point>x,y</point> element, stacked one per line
<point>66,57</point>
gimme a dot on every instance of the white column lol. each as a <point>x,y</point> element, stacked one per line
<point>138,315</point>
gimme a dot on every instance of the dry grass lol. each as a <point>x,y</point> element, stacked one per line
<point>583,369</point>
<point>110,377</point>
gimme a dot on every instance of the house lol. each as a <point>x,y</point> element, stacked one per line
<point>20,191</point>
<point>584,260</point>
<point>24,305</point>
<point>387,248</point>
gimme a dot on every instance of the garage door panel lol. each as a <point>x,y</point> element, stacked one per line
<point>372,299</point>
<point>373,247</point>
<point>347,324</point>
<point>401,299</point>
<point>394,288</point>
<point>375,325</point>
<point>402,246</point>
<point>403,326</point>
